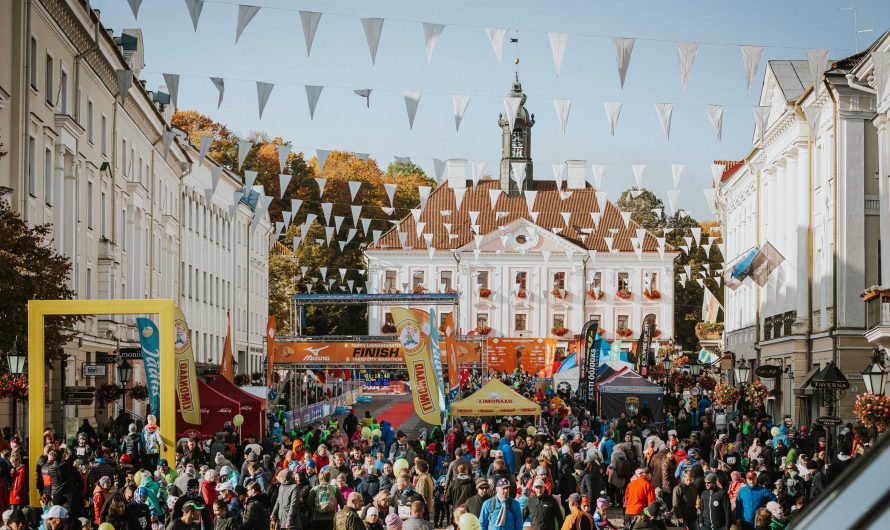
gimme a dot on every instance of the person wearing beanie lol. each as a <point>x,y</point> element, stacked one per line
<point>372,519</point>
<point>714,505</point>
<point>393,522</point>
<point>483,493</point>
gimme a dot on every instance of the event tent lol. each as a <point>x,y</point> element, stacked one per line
<point>216,410</point>
<point>495,399</point>
<point>627,391</point>
<point>252,408</point>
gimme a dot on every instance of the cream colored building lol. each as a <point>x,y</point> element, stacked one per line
<point>122,209</point>
<point>809,187</point>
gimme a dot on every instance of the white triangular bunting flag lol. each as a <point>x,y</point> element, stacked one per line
<point>558,44</point>
<point>244,147</point>
<point>295,205</point>
<point>124,82</point>
<point>338,222</point>
<point>205,143</point>
<point>534,216</point>
<point>356,210</point>
<point>493,196</point>
<point>686,56</point>
<point>245,15</point>
<point>375,236</point>
<point>249,179</point>
<point>220,85</point>
<point>167,141</point>
<point>609,242</point>
<point>208,194</point>
<point>559,174</point>
<point>530,196</point>
<point>710,198</point>
<point>511,106</point>
<point>458,197</point>
<point>431,250</point>
<point>431,33</point>
<point>354,186</point>
<point>563,107</point>
<point>309,20</point>
<point>696,234</point>
<point>439,168</point>
<point>390,192</point>
<point>751,61</point>
<point>373,27</point>
<point>366,223</point>
<point>403,239</point>
<point>478,171</point>
<point>195,7</point>
<point>664,111</point>
<point>517,173</point>
<point>881,62</point>
<point>565,217</point>
<point>283,181</point>
<point>134,6</point>
<point>639,172</point>
<point>263,91</point>
<point>326,211</point>
<point>172,82</point>
<point>321,183</point>
<point>595,217</point>
<point>415,213</point>
<point>601,200</point>
<point>418,229</point>
<point>625,216</point>
<point>387,210</point>
<point>817,58</point>
<point>321,156</point>
<point>717,172</point>
<point>423,194</point>
<point>460,107</point>
<point>813,114</point>
<point>598,171</point>
<point>676,173</point>
<point>624,47</point>
<point>761,118</point>
<point>496,38</point>
<point>313,92</point>
<point>283,154</point>
<point>412,99</point>
<point>286,216</point>
<point>613,111</point>
<point>715,115</point>
<point>215,174</point>
<point>672,200</point>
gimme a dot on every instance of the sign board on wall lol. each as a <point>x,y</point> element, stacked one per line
<point>533,355</point>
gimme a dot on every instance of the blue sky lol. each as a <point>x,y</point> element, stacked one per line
<point>272,49</point>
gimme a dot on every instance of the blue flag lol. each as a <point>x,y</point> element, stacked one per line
<point>149,340</point>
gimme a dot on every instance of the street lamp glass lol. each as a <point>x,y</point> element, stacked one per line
<point>124,371</point>
<point>666,364</point>
<point>16,362</point>
<point>695,368</point>
<point>742,371</point>
<point>875,378</point>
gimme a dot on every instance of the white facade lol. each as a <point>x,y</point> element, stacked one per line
<point>96,170</point>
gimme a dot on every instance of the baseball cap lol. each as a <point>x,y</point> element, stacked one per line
<point>224,486</point>
<point>503,483</point>
<point>751,475</point>
<point>162,462</point>
<point>537,484</point>
<point>481,482</point>
<point>106,480</point>
<point>189,506</point>
<point>55,512</point>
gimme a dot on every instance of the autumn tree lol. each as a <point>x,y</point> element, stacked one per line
<point>647,210</point>
<point>30,269</point>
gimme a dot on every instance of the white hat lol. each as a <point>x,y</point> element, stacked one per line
<point>56,512</point>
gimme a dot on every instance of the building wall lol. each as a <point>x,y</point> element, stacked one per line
<point>99,175</point>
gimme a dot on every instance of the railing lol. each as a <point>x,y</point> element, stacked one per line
<point>317,411</point>
<point>877,312</point>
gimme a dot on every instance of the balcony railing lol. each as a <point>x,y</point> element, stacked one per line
<point>877,311</point>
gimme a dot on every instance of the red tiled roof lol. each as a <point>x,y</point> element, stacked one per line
<point>548,203</point>
<point>730,167</point>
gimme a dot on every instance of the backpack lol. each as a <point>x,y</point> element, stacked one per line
<point>325,499</point>
<point>493,500</point>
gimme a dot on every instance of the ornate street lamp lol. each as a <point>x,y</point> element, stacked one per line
<point>666,364</point>
<point>742,371</point>
<point>124,371</point>
<point>695,368</point>
<point>16,362</point>
<point>875,376</point>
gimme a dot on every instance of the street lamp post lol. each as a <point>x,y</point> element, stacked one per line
<point>875,375</point>
<point>16,362</point>
<point>741,371</point>
<point>666,365</point>
<point>124,371</point>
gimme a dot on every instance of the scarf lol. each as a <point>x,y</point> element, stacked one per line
<point>502,514</point>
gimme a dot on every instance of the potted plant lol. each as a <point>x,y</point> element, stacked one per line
<point>388,327</point>
<point>521,293</point>
<point>624,294</point>
<point>726,395</point>
<point>709,330</point>
<point>139,392</point>
<point>873,411</point>
<point>419,289</point>
<point>483,330</point>
<point>652,294</point>
<point>756,393</point>
<point>624,332</point>
<point>484,292</point>
<point>559,330</point>
<point>593,296</point>
<point>242,379</point>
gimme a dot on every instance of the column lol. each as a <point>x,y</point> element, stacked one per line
<point>884,190</point>
<point>851,218</point>
<point>802,251</point>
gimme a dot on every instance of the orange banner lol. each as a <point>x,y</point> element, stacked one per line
<point>338,352</point>
<point>227,366</point>
<point>532,355</point>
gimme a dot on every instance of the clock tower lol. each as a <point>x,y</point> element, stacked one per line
<point>516,146</point>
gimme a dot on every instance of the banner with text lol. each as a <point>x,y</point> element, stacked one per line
<point>532,355</point>
<point>187,379</point>
<point>149,340</point>
<point>413,329</point>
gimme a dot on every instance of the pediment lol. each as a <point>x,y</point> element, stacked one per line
<point>523,237</point>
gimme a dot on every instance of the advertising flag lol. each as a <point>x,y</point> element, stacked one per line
<point>436,356</point>
<point>187,379</point>
<point>227,367</point>
<point>149,340</point>
<point>451,351</point>
<point>413,330</point>
<point>270,348</point>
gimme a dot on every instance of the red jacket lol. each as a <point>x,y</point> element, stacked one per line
<point>18,494</point>
<point>99,497</point>
<point>208,491</point>
<point>638,494</point>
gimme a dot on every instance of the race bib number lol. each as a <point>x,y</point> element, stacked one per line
<point>404,512</point>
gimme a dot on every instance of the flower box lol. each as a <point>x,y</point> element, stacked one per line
<point>483,330</point>
<point>593,296</point>
<point>450,290</point>
<point>624,294</point>
<point>652,294</point>
<point>419,289</point>
<point>624,332</point>
<point>559,293</point>
<point>484,292</point>
<point>559,330</point>
<point>875,291</point>
<point>521,293</point>
<point>388,328</point>
<point>709,330</point>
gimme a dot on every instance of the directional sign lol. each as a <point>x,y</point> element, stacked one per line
<point>79,395</point>
<point>94,370</point>
<point>829,421</point>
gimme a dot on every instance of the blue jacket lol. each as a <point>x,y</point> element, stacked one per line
<point>685,464</point>
<point>509,458</point>
<point>491,509</point>
<point>749,500</point>
<point>606,447</point>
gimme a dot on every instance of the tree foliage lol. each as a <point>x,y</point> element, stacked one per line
<point>649,212</point>
<point>30,269</point>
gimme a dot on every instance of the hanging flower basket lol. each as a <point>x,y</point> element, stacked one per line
<point>709,330</point>
<point>521,293</point>
<point>108,393</point>
<point>483,330</point>
<point>726,395</point>
<point>388,328</point>
<point>258,378</point>
<point>13,386</point>
<point>559,330</point>
<point>593,296</point>
<point>756,393</point>
<point>242,379</point>
<point>682,380</point>
<point>652,294</point>
<point>873,410</point>
<point>706,382</point>
<point>624,332</point>
<point>681,360</point>
<point>484,292</point>
<point>139,392</point>
<point>419,289</point>
<point>624,294</point>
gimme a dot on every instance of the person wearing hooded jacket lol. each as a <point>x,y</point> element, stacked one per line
<point>257,509</point>
<point>462,487</point>
<point>370,486</point>
<point>505,447</point>
<point>286,510</point>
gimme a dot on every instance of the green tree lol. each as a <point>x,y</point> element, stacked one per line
<point>30,269</point>
<point>647,210</point>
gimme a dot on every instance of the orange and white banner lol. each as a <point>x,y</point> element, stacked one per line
<point>323,353</point>
<point>533,355</point>
<point>270,348</point>
<point>227,366</point>
<point>413,329</point>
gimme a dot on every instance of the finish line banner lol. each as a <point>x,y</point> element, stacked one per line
<point>339,352</point>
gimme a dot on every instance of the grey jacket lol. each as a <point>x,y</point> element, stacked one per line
<point>287,506</point>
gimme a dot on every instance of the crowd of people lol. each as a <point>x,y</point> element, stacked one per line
<point>701,468</point>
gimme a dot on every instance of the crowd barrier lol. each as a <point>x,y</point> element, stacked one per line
<point>318,411</point>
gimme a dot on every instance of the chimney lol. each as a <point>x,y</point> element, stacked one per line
<point>576,174</point>
<point>456,173</point>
